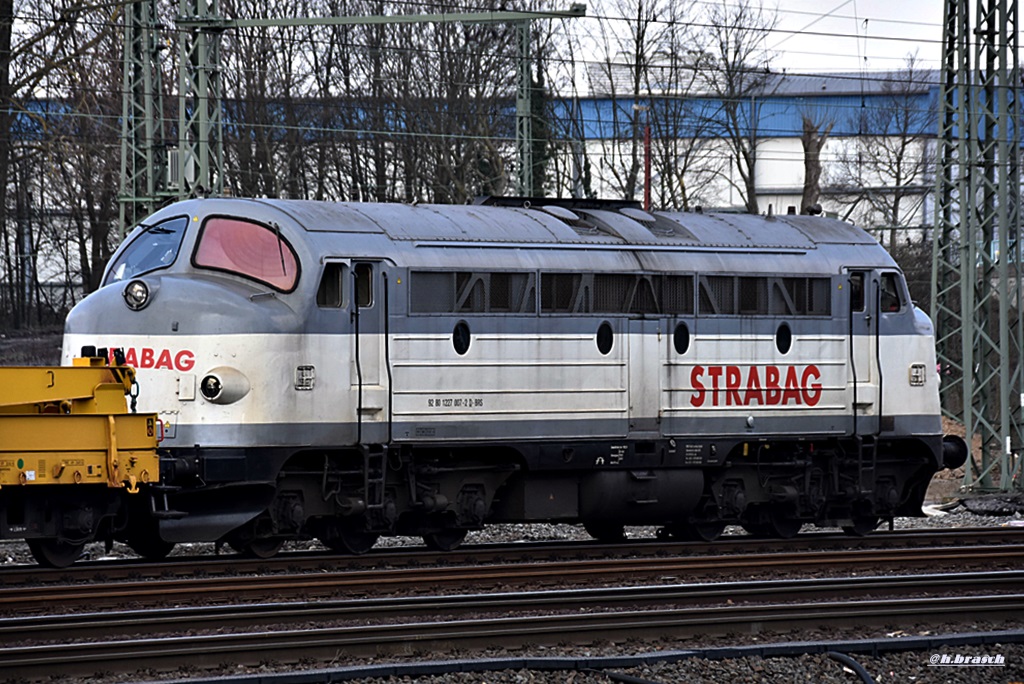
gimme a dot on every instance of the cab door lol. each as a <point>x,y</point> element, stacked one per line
<point>865,373</point>
<point>644,368</point>
<point>369,377</point>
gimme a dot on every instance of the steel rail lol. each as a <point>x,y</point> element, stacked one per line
<point>319,561</point>
<point>86,626</point>
<point>378,581</point>
<point>331,643</point>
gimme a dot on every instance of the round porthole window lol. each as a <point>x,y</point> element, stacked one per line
<point>681,338</point>
<point>461,337</point>
<point>783,339</point>
<point>605,338</point>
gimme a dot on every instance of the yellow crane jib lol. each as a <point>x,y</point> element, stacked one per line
<point>71,425</point>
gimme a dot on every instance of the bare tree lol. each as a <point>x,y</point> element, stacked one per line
<point>371,112</point>
<point>82,151</point>
<point>815,132</point>
<point>7,97</point>
<point>884,177</point>
<point>652,70</point>
<point>261,71</point>
<point>38,39</point>
<point>632,35</point>
<point>465,76</point>
<point>686,162</point>
<point>738,72</point>
<point>567,167</point>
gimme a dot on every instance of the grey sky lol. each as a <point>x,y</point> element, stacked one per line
<point>848,35</point>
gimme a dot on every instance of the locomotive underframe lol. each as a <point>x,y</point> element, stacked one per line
<point>692,488</point>
<point>349,497</point>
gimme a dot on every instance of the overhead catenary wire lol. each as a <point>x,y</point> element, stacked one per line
<point>600,17</point>
<point>293,38</point>
<point>785,34</point>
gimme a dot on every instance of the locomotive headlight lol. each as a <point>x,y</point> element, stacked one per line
<point>224,385</point>
<point>210,387</point>
<point>136,295</point>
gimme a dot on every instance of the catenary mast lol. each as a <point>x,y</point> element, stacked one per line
<point>976,264</point>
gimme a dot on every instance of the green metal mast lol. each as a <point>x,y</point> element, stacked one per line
<point>200,144</point>
<point>143,148</point>
<point>976,257</point>
<point>524,110</point>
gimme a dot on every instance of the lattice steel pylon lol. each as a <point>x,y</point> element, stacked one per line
<point>976,256</point>
<point>524,110</point>
<point>200,143</point>
<point>143,148</point>
<point>153,171</point>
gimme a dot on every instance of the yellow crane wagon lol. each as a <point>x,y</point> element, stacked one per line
<point>73,456</point>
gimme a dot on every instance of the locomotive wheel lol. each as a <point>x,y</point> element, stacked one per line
<point>266,547</point>
<point>705,530</point>
<point>55,553</point>
<point>605,532</point>
<point>782,527</point>
<point>445,540</point>
<point>861,526</point>
<point>354,542</point>
<point>152,548</point>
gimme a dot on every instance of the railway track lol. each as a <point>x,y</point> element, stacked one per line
<point>319,615</point>
<point>360,629</point>
<point>89,626</point>
<point>320,561</point>
<point>378,581</point>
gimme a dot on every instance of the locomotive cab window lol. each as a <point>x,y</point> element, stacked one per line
<point>248,249</point>
<point>329,293</point>
<point>364,285</point>
<point>155,247</point>
<point>891,299</point>
<point>857,291</point>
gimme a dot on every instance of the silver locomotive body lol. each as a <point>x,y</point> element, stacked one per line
<point>343,371</point>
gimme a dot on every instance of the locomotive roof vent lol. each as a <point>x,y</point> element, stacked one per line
<point>658,225</point>
<point>560,212</point>
<point>638,215</point>
<point>578,223</point>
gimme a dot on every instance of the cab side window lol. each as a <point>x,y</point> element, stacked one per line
<point>891,299</point>
<point>329,293</point>
<point>857,291</point>
<point>364,285</point>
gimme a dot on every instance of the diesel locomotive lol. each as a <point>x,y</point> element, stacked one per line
<point>342,371</point>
